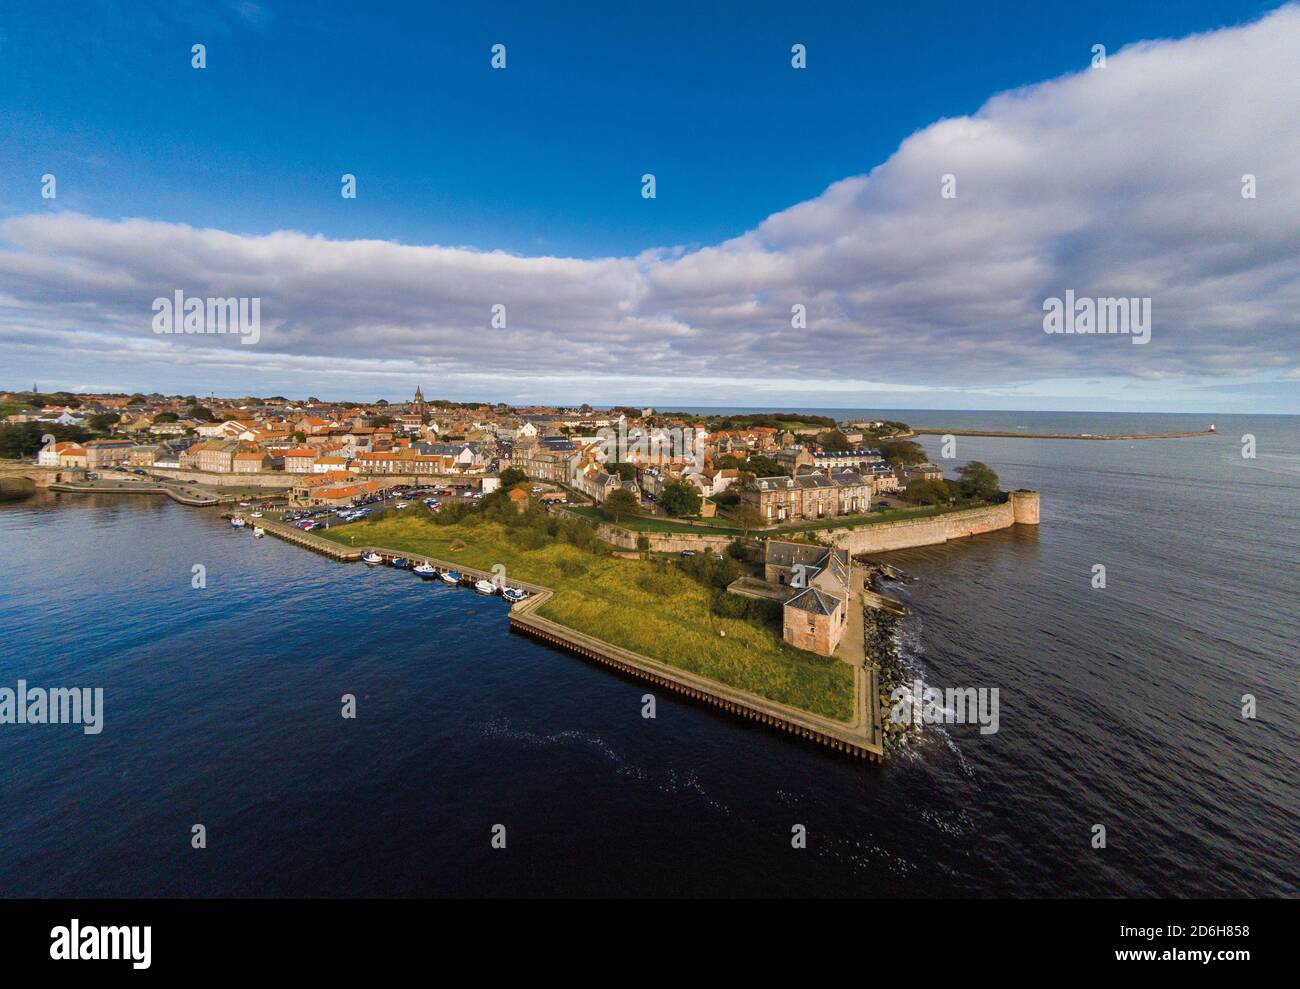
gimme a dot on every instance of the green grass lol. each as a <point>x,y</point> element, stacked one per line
<point>650,609</point>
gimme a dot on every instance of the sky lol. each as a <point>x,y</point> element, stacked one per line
<point>500,246</point>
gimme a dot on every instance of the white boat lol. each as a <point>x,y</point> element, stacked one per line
<point>371,558</point>
<point>451,577</point>
<point>426,569</point>
<point>237,522</point>
<point>258,531</point>
<point>257,515</point>
<point>513,594</point>
<point>485,587</point>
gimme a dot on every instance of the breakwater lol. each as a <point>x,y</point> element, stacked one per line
<point>1015,434</point>
<point>192,500</point>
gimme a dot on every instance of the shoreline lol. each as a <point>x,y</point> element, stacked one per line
<point>1061,436</point>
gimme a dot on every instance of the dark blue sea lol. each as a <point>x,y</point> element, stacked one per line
<point>1119,707</point>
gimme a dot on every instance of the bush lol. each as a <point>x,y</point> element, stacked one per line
<point>660,582</point>
<point>726,605</point>
<point>571,567</point>
<point>532,538</point>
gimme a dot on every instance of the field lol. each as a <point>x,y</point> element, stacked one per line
<point>650,608</point>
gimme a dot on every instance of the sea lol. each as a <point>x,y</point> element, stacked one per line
<point>1148,742</point>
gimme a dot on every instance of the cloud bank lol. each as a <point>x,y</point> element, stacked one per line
<point>1123,180</point>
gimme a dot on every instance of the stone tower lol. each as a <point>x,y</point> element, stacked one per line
<point>1024,507</point>
<point>417,405</point>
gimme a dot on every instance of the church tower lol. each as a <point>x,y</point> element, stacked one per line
<point>417,406</point>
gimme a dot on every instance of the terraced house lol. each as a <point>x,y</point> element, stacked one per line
<point>809,495</point>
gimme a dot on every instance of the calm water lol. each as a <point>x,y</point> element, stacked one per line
<point>1119,707</point>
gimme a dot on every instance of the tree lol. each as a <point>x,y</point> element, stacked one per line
<point>200,412</point>
<point>620,503</point>
<point>103,422</point>
<point>902,453</point>
<point>26,438</point>
<point>165,417</point>
<point>833,441</point>
<point>748,517</point>
<point>625,472</point>
<point>761,466</point>
<point>978,480</point>
<point>680,498</point>
<point>925,492</point>
<point>512,476</point>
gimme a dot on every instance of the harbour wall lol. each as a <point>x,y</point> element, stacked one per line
<point>1020,508</point>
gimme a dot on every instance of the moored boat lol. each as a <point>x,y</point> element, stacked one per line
<point>513,594</point>
<point>426,570</point>
<point>371,557</point>
<point>258,531</point>
<point>485,587</point>
<point>237,522</point>
<point>399,562</point>
<point>451,577</point>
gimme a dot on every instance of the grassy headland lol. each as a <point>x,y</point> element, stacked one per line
<point>651,608</point>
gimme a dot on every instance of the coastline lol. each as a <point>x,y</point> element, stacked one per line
<point>1009,434</point>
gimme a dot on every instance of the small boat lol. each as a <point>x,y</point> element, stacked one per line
<point>485,587</point>
<point>513,594</point>
<point>399,562</point>
<point>237,522</point>
<point>451,577</point>
<point>371,558</point>
<point>258,531</point>
<point>426,570</point>
<point>257,515</point>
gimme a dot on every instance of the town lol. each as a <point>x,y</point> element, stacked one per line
<point>336,453</point>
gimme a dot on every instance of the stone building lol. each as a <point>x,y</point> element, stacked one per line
<point>815,616</point>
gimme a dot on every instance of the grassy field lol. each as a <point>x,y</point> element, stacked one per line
<point>649,608</point>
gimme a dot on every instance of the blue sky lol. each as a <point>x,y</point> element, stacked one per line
<point>542,160</point>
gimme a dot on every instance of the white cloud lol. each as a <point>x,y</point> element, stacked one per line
<point>1117,181</point>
